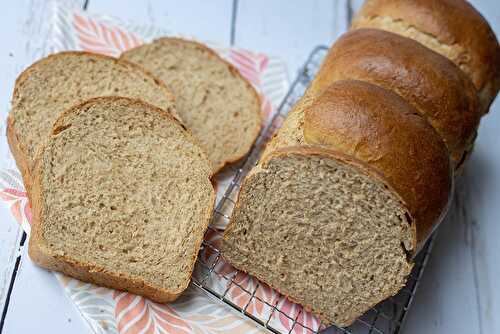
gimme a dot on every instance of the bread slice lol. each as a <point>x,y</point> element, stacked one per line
<point>453,28</point>
<point>344,196</point>
<point>323,230</point>
<point>54,84</point>
<point>121,198</point>
<point>214,101</point>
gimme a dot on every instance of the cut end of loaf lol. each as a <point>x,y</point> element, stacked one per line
<point>323,232</point>
<point>121,198</point>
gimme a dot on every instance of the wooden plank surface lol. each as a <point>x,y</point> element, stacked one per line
<point>289,29</point>
<point>457,293</point>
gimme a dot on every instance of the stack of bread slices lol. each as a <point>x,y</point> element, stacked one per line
<point>117,157</point>
<point>362,169</point>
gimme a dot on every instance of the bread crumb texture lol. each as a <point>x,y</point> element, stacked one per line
<point>125,189</point>
<point>321,232</point>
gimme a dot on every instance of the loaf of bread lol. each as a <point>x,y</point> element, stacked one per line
<point>121,197</point>
<point>215,102</point>
<point>54,84</point>
<point>362,170</point>
<point>431,83</point>
<point>453,28</point>
<point>348,190</point>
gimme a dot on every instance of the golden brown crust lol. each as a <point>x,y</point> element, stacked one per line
<point>41,253</point>
<point>15,142</point>
<point>455,25</point>
<point>235,73</point>
<point>431,83</point>
<point>380,129</point>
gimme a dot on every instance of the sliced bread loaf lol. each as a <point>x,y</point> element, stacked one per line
<point>214,101</point>
<point>121,197</point>
<point>54,84</point>
<point>453,28</point>
<point>431,83</point>
<point>344,196</point>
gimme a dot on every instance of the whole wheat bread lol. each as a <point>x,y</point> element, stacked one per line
<point>344,195</point>
<point>214,101</point>
<point>121,197</point>
<point>54,84</point>
<point>323,231</point>
<point>452,28</point>
<point>432,84</point>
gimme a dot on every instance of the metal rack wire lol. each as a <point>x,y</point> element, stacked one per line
<point>386,317</point>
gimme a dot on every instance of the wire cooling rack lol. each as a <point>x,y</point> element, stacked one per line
<point>211,273</point>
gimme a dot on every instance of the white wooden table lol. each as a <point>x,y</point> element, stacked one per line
<point>458,292</point>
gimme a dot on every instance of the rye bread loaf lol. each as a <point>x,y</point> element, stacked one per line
<point>453,28</point>
<point>431,83</point>
<point>55,83</point>
<point>344,195</point>
<point>121,197</point>
<point>214,101</point>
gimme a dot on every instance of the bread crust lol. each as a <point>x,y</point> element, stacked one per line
<point>310,151</point>
<point>431,83</point>
<point>454,24</point>
<point>379,128</point>
<point>235,72</point>
<point>43,256</point>
<point>18,149</point>
<point>18,152</point>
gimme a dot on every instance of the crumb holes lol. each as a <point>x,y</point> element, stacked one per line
<point>101,205</point>
<point>282,276</point>
<point>116,90</point>
<point>372,277</point>
<point>101,247</point>
<point>408,218</point>
<point>245,232</point>
<point>236,114</point>
<point>407,253</point>
<point>60,129</point>
<point>187,179</point>
<point>112,207</point>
